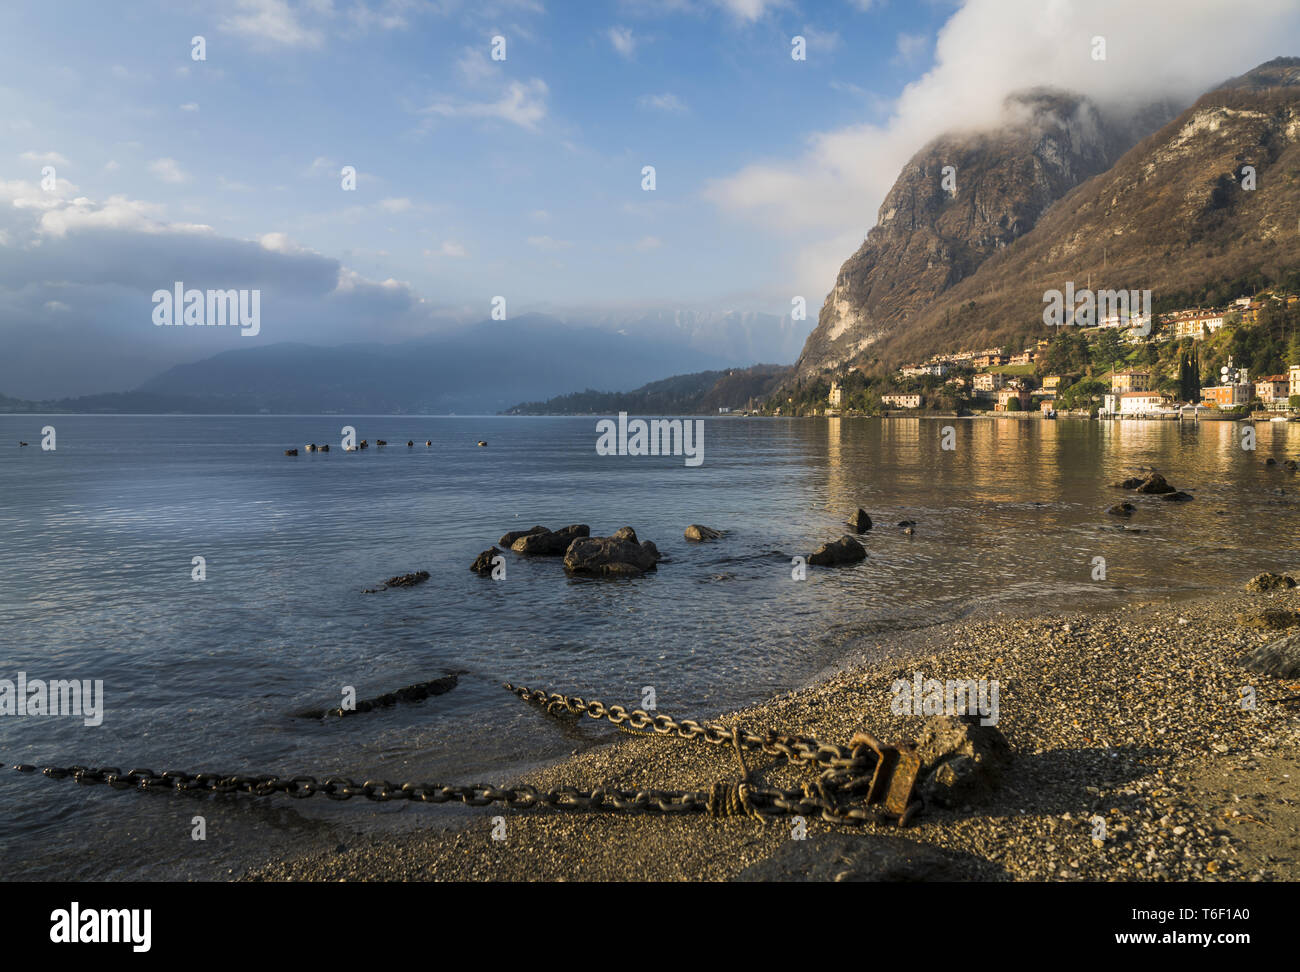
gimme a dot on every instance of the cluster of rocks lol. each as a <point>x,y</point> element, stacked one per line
<point>1288,464</point>
<point>1151,484</point>
<point>620,554</point>
<point>848,549</point>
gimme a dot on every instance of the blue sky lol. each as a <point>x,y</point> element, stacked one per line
<point>519,177</point>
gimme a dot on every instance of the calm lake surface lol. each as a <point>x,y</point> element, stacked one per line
<point>97,540</point>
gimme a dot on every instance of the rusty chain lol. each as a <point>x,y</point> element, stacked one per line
<point>845,772</point>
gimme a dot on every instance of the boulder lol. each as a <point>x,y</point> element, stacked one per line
<point>407,580</point>
<point>1270,619</point>
<point>1266,582</point>
<point>483,562</point>
<point>1290,464</point>
<point>860,522</point>
<point>1270,461</point>
<point>509,539</point>
<point>1280,658</point>
<point>619,555</point>
<point>961,760</point>
<point>845,550</point>
<point>1122,509</point>
<point>552,543</point>
<point>324,448</point>
<point>698,534</point>
<point>881,857</point>
<point>1177,496</point>
<point>290,452</point>
<point>1154,484</point>
<point>907,523</point>
<point>1133,482</point>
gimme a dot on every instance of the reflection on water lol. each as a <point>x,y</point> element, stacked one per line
<point>96,542</point>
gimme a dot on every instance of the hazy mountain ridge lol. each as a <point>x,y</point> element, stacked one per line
<point>699,393</point>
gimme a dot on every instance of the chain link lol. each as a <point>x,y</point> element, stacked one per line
<point>844,773</point>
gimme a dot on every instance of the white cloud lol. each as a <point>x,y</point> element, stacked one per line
<point>400,205</point>
<point>190,106</point>
<point>647,243</point>
<point>522,104</point>
<point>272,23</point>
<point>448,249</point>
<point>281,243</point>
<point>168,170</point>
<point>57,306</point>
<point>44,158</point>
<point>662,102</point>
<point>622,40</point>
<point>547,244</point>
<point>749,10</point>
<point>910,47</point>
<point>114,213</point>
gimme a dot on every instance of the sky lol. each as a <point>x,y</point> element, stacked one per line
<point>519,177</point>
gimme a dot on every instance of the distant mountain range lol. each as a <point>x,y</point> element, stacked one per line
<point>1066,191</point>
<point>702,393</point>
<point>484,369</point>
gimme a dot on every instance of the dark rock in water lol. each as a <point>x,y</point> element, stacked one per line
<point>860,522</point>
<point>1133,482</point>
<point>410,443</point>
<point>412,693</point>
<point>909,531</point>
<point>483,562</point>
<point>880,857</point>
<point>907,523</point>
<point>509,539</point>
<point>619,555</point>
<point>1270,461</point>
<point>1265,582</point>
<point>1154,484</point>
<point>845,550</point>
<point>961,759</point>
<point>380,442</point>
<point>482,443</point>
<point>552,543</point>
<point>698,534</point>
<point>1270,619</point>
<point>1177,496</point>
<point>324,448</point>
<point>428,442</point>
<point>1122,509</point>
<point>1291,464</point>
<point>1280,659</point>
<point>401,580</point>
<point>290,452</point>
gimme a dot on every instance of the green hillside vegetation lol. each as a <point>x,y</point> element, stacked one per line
<point>702,392</point>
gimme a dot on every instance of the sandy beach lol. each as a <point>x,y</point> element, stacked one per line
<point>1134,716</point>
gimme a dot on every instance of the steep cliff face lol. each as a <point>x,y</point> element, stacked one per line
<point>1176,212</point>
<point>928,237</point>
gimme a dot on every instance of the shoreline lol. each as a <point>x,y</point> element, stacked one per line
<point>1132,715</point>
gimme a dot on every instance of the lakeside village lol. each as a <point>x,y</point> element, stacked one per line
<point>1238,361</point>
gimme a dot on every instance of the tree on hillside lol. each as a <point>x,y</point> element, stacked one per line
<point>1109,348</point>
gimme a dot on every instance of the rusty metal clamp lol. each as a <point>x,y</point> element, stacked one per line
<point>893,781</point>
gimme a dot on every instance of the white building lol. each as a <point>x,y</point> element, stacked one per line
<point>902,400</point>
<point>1141,403</point>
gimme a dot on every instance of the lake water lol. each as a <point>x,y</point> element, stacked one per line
<point>97,540</point>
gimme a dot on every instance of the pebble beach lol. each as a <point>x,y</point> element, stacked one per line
<point>1143,718</point>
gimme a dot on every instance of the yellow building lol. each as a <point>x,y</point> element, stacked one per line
<point>1130,381</point>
